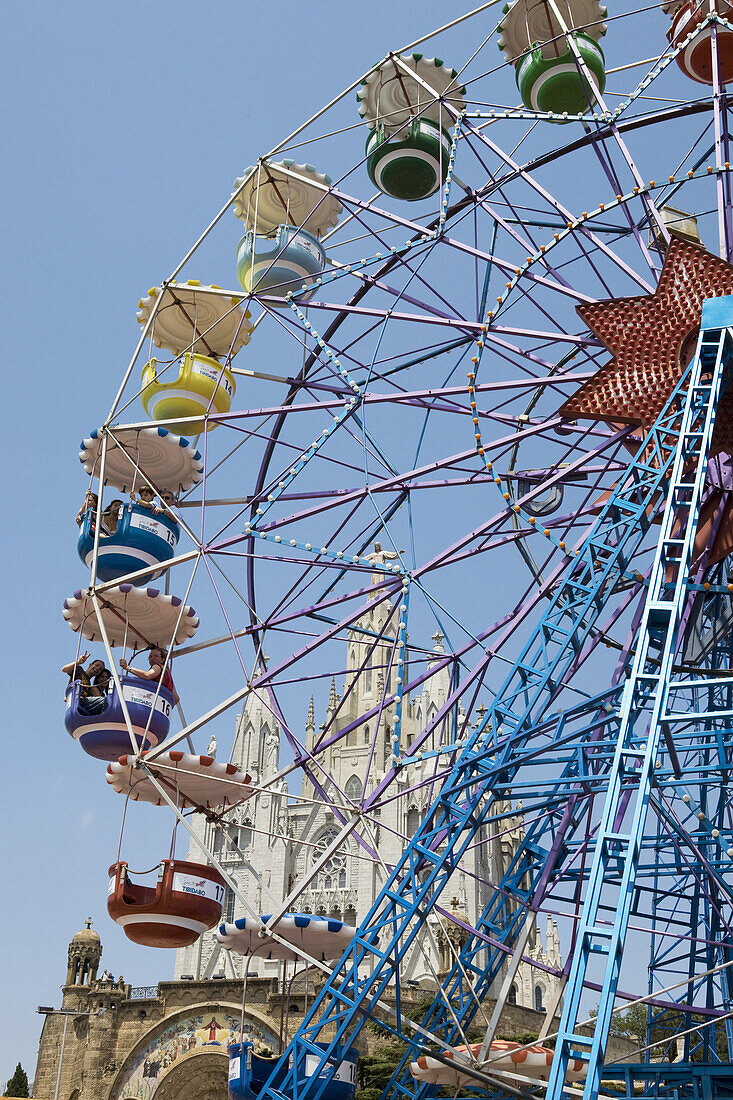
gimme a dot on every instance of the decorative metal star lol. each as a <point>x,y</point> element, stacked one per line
<point>652,338</point>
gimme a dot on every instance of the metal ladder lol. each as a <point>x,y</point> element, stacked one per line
<point>643,715</point>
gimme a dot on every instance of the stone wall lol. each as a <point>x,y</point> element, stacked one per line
<point>115,1026</point>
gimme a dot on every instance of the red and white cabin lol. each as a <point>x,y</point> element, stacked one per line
<point>185,902</point>
<point>696,57</point>
<point>515,1061</point>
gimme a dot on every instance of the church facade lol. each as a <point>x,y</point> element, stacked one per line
<point>273,845</point>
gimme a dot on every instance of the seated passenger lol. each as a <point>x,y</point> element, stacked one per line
<point>169,505</point>
<point>101,682</point>
<point>156,659</point>
<point>90,502</point>
<point>93,684</point>
<point>145,496</point>
<point>111,517</point>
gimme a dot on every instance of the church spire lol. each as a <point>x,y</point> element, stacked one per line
<point>333,697</point>
<point>310,722</point>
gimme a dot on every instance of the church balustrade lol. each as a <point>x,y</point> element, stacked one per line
<point>143,992</point>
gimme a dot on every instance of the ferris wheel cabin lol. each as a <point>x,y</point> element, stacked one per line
<point>197,385</point>
<point>280,264</point>
<point>559,64</point>
<point>410,104</point>
<point>186,900</point>
<point>105,735</point>
<point>287,209</point>
<point>548,79</point>
<point>519,1062</point>
<point>691,34</point>
<point>248,1072</point>
<point>141,539</point>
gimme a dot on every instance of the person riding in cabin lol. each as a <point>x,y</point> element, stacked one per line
<point>156,657</point>
<point>111,517</point>
<point>144,497</point>
<point>169,502</point>
<point>90,502</point>
<point>93,683</point>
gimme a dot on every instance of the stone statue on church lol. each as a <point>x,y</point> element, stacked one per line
<point>379,556</point>
<point>272,744</point>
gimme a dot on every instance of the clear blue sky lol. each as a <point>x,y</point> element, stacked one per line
<point>125,125</point>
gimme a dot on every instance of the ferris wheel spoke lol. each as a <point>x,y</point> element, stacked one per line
<point>638,179</point>
<point>558,208</point>
<point>395,483</point>
<point>650,208</point>
<point>313,572</point>
<point>261,681</point>
<point>412,273</point>
<point>232,634</point>
<point>509,268</point>
<point>280,620</point>
<point>387,313</point>
<point>544,259</point>
<point>427,311</point>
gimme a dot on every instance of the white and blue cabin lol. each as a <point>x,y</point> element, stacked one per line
<point>105,735</point>
<point>281,264</point>
<point>141,539</point>
<point>248,1072</point>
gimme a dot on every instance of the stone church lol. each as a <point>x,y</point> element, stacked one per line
<point>271,844</point>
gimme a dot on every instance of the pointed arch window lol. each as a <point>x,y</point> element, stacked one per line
<point>413,821</point>
<point>333,873</point>
<point>353,788</point>
<point>538,999</point>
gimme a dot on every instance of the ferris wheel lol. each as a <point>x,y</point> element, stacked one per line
<point>446,437</point>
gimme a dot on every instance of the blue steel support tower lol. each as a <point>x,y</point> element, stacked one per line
<point>634,788</point>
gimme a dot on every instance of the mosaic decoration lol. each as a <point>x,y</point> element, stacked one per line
<point>210,1030</point>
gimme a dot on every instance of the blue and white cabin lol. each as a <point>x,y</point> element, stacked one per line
<point>248,1072</point>
<point>105,735</point>
<point>141,539</point>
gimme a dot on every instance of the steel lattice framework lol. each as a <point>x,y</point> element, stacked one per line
<point>550,509</point>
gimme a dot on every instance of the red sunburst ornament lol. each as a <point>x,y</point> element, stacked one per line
<point>652,338</point>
